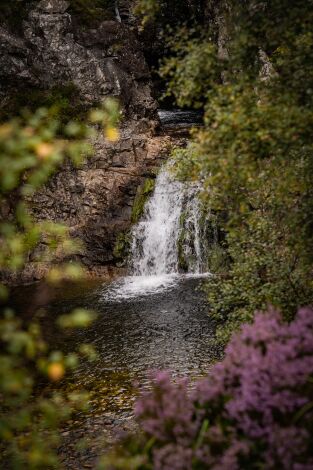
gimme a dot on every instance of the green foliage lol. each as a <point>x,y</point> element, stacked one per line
<point>191,71</point>
<point>218,262</point>
<point>254,153</point>
<point>28,425</point>
<point>79,318</point>
<point>108,117</point>
<point>143,192</point>
<point>30,153</point>
<point>32,148</point>
<point>147,9</point>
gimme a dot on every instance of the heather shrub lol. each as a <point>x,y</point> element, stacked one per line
<point>254,410</point>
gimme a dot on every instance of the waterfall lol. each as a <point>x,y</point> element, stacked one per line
<point>171,235</point>
<point>171,240</point>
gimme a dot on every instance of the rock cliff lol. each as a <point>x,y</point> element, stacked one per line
<point>52,50</point>
<point>95,200</point>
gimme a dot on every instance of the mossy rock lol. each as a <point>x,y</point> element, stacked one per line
<point>122,244</point>
<point>121,248</point>
<point>182,262</point>
<point>143,193</point>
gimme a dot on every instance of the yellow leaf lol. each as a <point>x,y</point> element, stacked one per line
<point>44,150</point>
<point>112,133</point>
<point>56,371</point>
<point>5,130</point>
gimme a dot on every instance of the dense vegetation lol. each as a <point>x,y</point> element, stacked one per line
<point>32,148</point>
<point>254,153</point>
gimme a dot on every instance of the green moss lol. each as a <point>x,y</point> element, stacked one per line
<point>182,262</point>
<point>143,193</point>
<point>63,101</point>
<point>123,240</point>
<point>122,246</point>
<point>182,219</point>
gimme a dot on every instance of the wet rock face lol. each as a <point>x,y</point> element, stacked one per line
<point>51,50</point>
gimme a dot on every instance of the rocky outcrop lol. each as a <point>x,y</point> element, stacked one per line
<point>50,50</point>
<point>96,200</point>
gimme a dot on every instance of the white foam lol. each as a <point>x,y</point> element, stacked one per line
<point>137,286</point>
<point>134,287</point>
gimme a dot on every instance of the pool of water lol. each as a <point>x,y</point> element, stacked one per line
<point>143,324</point>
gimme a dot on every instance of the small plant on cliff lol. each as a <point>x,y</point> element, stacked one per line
<point>254,410</point>
<point>63,101</point>
<point>92,12</point>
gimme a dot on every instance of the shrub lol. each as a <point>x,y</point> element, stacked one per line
<point>253,154</point>
<point>254,410</point>
<point>32,148</point>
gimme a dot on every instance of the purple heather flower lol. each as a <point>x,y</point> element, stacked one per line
<point>252,410</point>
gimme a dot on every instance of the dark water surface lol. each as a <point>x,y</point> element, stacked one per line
<point>162,325</point>
<point>179,117</point>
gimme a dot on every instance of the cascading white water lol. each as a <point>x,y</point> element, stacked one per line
<point>170,231</point>
<point>170,239</point>
<point>194,244</point>
<point>154,238</point>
